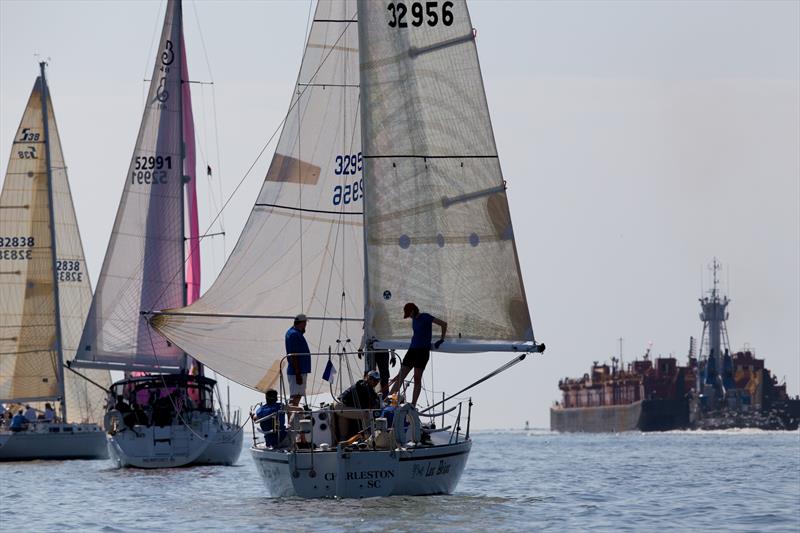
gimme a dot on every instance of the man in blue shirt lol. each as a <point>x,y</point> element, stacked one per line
<point>299,359</point>
<point>19,422</point>
<point>419,351</point>
<point>274,428</point>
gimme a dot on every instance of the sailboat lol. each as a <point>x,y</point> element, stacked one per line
<point>385,188</point>
<point>44,297</point>
<point>163,413</point>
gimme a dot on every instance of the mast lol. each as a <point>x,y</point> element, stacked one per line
<point>59,347</point>
<point>184,176</point>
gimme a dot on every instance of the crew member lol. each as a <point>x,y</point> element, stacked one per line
<point>299,359</point>
<point>419,351</point>
<point>30,413</point>
<point>49,413</point>
<point>361,395</point>
<point>274,428</point>
<point>19,422</point>
<point>380,359</point>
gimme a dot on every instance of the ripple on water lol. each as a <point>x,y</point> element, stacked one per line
<point>515,481</point>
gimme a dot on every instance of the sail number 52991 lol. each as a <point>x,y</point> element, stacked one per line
<point>421,12</point>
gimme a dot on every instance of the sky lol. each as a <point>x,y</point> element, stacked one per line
<point>639,140</point>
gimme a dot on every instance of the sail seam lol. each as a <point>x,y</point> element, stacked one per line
<point>304,209</point>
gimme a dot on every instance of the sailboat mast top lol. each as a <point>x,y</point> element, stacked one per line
<point>59,347</point>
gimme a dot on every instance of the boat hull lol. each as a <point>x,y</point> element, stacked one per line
<point>644,415</point>
<point>54,442</point>
<point>362,473</point>
<point>175,446</point>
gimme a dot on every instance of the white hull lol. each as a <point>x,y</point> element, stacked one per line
<point>205,443</point>
<point>362,473</point>
<point>54,441</point>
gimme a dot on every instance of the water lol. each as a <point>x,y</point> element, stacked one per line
<point>515,481</point>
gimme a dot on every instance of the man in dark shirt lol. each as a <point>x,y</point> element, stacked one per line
<point>299,360</point>
<point>419,351</point>
<point>361,395</point>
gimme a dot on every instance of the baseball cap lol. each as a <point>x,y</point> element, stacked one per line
<point>301,318</point>
<point>408,309</point>
<point>374,375</point>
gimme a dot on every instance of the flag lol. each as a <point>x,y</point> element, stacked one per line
<point>330,372</point>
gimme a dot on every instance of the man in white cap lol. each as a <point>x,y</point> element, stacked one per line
<point>299,357</point>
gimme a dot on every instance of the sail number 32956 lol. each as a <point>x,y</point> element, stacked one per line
<point>421,12</point>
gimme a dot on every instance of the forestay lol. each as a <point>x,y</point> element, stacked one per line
<point>28,351</point>
<point>438,225</point>
<point>144,263</point>
<point>301,249</point>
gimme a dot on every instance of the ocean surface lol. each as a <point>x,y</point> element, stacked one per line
<point>744,480</point>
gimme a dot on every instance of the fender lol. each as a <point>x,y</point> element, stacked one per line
<point>414,431</point>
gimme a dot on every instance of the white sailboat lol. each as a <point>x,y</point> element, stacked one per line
<point>44,297</point>
<point>163,413</point>
<point>385,188</point>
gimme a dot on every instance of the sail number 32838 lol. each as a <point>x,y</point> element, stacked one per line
<point>420,13</point>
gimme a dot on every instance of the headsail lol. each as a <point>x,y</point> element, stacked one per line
<point>28,358</point>
<point>438,225</point>
<point>144,264</point>
<point>301,249</point>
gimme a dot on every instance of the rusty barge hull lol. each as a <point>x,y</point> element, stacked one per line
<point>643,415</point>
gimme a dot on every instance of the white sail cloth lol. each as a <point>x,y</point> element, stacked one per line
<point>301,249</point>
<point>439,230</point>
<point>28,356</point>
<point>143,268</point>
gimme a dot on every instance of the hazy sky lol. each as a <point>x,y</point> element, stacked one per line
<point>639,140</point>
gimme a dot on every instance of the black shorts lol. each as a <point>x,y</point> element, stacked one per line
<point>417,358</point>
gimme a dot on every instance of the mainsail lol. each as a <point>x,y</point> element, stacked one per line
<point>439,230</point>
<point>301,249</point>
<point>144,264</point>
<point>29,362</point>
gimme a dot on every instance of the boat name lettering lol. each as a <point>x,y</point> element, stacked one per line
<point>399,10</point>
<point>364,474</point>
<point>431,469</point>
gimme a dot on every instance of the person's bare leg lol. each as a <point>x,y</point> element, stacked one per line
<point>417,385</point>
<point>404,370</point>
